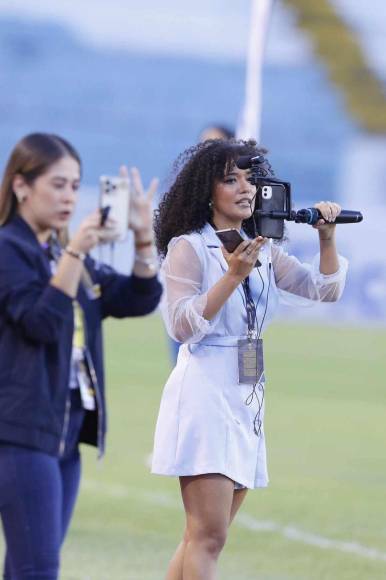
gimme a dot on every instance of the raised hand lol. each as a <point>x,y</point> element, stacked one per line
<point>243,259</point>
<point>141,210</point>
<point>326,225</point>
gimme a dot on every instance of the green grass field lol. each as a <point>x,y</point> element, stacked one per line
<point>325,425</point>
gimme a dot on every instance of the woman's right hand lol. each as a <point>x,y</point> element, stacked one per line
<point>242,261</point>
<point>240,264</point>
<point>90,233</point>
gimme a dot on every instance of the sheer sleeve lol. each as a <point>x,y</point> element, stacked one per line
<point>183,302</point>
<point>305,281</point>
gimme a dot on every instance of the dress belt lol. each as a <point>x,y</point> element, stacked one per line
<point>225,341</point>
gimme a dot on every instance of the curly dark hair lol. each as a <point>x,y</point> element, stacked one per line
<point>185,207</point>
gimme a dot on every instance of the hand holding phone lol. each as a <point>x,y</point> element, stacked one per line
<point>115,203</point>
<point>104,213</point>
<point>231,239</point>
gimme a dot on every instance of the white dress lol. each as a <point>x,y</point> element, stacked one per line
<point>204,424</point>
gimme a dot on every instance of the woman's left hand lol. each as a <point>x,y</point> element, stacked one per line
<point>329,211</point>
<point>141,210</point>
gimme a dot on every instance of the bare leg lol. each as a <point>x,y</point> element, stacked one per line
<point>208,502</point>
<point>238,498</point>
<point>175,569</point>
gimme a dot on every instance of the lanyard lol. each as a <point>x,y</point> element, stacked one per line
<point>250,309</point>
<point>254,343</point>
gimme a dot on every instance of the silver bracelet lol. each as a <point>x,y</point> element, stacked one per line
<point>78,255</point>
<point>150,263</point>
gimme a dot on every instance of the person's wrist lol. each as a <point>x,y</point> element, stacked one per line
<point>143,245</point>
<point>76,246</point>
<point>150,263</point>
<point>326,236</point>
<point>143,235</point>
<point>147,251</point>
<point>144,240</point>
<point>234,278</point>
<point>70,250</point>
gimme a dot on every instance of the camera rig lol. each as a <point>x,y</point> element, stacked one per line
<point>261,174</point>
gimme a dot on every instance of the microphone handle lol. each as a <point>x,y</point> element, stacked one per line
<point>311,215</point>
<point>347,216</point>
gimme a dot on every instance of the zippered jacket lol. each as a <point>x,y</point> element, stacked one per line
<point>36,334</point>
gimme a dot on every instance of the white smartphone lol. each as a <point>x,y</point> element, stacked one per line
<point>115,194</point>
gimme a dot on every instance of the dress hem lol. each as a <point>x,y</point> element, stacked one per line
<point>259,483</point>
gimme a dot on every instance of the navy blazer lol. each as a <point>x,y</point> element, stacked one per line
<point>36,334</point>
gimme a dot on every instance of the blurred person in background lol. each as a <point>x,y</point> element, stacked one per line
<point>210,430</point>
<point>53,298</point>
<point>211,131</point>
<point>215,131</point>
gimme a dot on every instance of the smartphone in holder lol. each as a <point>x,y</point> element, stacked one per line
<point>270,198</point>
<point>115,194</point>
<point>230,239</point>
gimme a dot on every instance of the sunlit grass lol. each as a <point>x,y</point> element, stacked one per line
<point>326,427</point>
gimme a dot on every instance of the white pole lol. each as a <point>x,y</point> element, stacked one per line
<point>250,122</point>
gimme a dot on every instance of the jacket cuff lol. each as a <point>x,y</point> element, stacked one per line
<point>56,299</point>
<point>337,276</point>
<point>146,285</point>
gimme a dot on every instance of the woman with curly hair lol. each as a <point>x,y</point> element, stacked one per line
<point>210,426</point>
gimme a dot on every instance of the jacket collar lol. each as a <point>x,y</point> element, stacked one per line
<point>213,245</point>
<point>210,238</point>
<point>21,227</point>
<point>22,230</point>
<point>18,225</point>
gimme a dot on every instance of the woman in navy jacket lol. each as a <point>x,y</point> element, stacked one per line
<point>53,298</point>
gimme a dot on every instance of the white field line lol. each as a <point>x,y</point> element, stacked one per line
<point>245,521</point>
<point>295,534</point>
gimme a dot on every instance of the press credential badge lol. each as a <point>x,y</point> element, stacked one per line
<point>250,359</point>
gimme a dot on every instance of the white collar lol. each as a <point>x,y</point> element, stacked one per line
<point>210,237</point>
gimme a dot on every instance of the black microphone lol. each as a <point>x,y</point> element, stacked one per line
<point>258,163</point>
<point>312,215</point>
<point>246,161</point>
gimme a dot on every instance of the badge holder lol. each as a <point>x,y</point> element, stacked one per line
<point>250,349</point>
<point>251,360</point>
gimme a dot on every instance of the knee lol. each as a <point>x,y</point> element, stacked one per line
<point>212,540</point>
